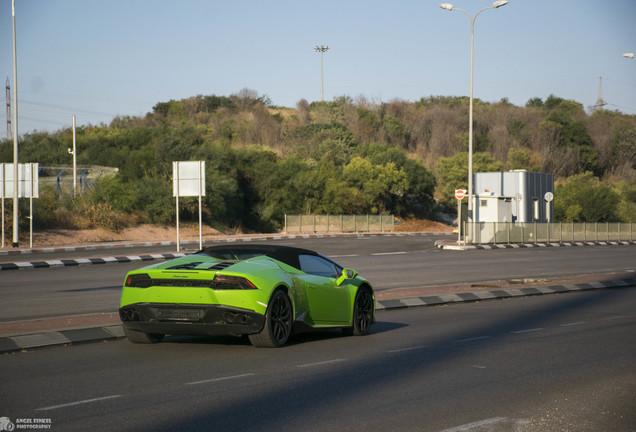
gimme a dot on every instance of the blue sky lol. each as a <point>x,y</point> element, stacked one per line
<point>100,59</point>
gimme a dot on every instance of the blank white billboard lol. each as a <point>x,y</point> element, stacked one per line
<point>28,180</point>
<point>188,178</point>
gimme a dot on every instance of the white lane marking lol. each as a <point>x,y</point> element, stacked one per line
<point>408,349</point>
<point>85,401</point>
<point>527,330</point>
<point>388,253</point>
<point>472,339</point>
<point>343,256</point>
<point>320,363</point>
<point>479,367</point>
<point>219,379</point>
<point>573,324</point>
<point>472,426</point>
<point>615,317</point>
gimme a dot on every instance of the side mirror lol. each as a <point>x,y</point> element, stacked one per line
<point>346,274</point>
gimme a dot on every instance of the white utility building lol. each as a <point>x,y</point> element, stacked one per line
<point>513,196</point>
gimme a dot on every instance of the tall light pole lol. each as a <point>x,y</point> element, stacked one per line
<point>450,7</point>
<point>74,153</point>
<point>15,134</point>
<point>321,49</point>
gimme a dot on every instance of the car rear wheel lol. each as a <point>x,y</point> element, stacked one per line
<point>141,337</point>
<point>362,314</point>
<point>278,322</point>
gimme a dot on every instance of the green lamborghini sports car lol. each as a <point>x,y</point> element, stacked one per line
<point>262,291</point>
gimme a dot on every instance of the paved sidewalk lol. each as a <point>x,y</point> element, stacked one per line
<point>30,334</point>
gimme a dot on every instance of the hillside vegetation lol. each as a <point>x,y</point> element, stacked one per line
<point>344,156</point>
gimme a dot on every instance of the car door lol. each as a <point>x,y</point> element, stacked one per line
<point>328,302</point>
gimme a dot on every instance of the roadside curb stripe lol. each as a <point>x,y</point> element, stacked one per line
<point>60,337</point>
<point>473,296</point>
<point>83,261</point>
<point>448,245</point>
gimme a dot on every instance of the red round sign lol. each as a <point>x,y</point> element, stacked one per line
<point>460,194</point>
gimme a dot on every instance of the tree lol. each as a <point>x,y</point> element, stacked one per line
<point>582,198</point>
<point>381,185</point>
<point>452,173</point>
<point>624,137</point>
<point>626,208</point>
<point>570,134</point>
<point>516,129</point>
<point>418,197</point>
<point>522,158</point>
<point>535,102</point>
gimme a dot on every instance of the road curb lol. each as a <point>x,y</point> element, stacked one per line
<point>33,340</point>
<point>501,293</point>
<point>452,245</point>
<point>85,261</point>
<point>75,336</point>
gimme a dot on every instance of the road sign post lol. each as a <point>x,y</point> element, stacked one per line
<point>189,180</point>
<point>27,187</point>
<point>459,195</point>
<point>549,196</point>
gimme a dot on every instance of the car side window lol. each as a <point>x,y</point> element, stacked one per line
<point>317,266</point>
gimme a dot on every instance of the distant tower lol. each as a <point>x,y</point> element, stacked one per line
<point>9,128</point>
<point>600,102</point>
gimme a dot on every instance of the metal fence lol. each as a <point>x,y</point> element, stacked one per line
<point>338,223</point>
<point>559,232</point>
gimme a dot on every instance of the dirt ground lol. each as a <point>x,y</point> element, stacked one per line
<point>421,225</point>
<point>189,231</point>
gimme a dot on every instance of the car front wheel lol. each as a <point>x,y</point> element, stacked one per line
<point>278,322</point>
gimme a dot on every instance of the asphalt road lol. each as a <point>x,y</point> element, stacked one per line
<point>113,249</point>
<point>388,262</point>
<point>549,363</point>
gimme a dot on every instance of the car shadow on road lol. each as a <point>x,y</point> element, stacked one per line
<point>300,336</point>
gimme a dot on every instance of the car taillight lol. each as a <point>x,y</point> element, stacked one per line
<point>221,282</point>
<point>141,280</point>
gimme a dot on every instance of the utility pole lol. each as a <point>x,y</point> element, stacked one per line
<point>74,153</point>
<point>9,129</point>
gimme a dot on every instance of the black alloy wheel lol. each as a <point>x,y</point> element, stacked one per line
<point>278,323</point>
<point>362,313</point>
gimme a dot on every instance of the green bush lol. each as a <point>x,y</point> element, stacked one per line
<point>583,198</point>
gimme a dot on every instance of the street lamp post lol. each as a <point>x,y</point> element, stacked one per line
<point>449,7</point>
<point>321,49</point>
<point>15,135</point>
